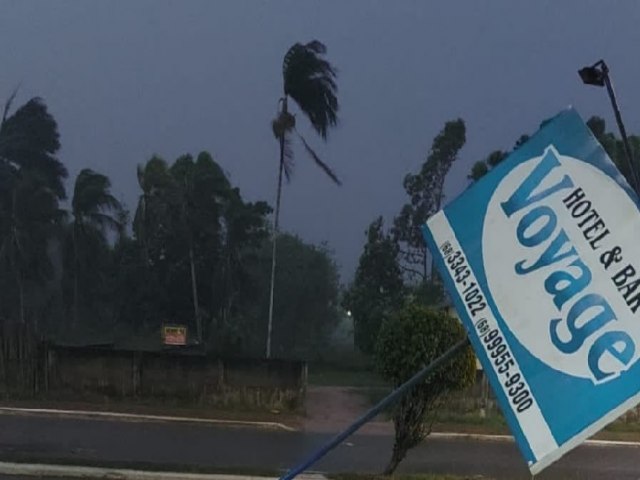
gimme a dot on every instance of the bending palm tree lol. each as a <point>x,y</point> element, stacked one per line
<point>310,81</point>
<point>96,212</point>
<point>31,185</point>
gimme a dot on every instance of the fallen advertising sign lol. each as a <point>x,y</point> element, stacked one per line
<point>542,261</point>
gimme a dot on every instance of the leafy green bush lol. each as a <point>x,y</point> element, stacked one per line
<point>408,341</point>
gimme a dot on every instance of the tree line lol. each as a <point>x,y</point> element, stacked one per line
<point>395,265</point>
<point>82,269</point>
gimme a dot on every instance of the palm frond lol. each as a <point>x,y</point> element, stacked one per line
<point>92,201</point>
<point>32,128</point>
<point>330,173</point>
<point>139,219</point>
<point>140,176</point>
<point>154,174</point>
<point>317,47</point>
<point>105,222</point>
<point>48,169</point>
<point>61,216</point>
<point>29,140</point>
<point>310,80</point>
<point>7,105</point>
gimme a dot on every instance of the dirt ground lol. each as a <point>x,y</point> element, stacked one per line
<point>331,409</point>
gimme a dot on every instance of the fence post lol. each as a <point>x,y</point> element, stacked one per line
<point>136,367</point>
<point>220,374</point>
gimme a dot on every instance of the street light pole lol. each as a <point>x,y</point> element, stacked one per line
<point>598,75</point>
<point>623,134</point>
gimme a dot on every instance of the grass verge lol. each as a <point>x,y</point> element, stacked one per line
<point>421,476</point>
<point>494,423</point>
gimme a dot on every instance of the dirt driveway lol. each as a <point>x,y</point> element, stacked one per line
<point>331,409</point>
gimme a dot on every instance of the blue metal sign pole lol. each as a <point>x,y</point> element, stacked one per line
<point>384,403</point>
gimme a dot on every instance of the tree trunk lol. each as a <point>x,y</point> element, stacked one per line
<point>275,238</point>
<point>432,274</point>
<point>20,296</point>
<point>403,422</point>
<point>194,287</point>
<point>425,264</point>
<point>396,457</point>
<point>15,250</point>
<point>228,295</point>
<point>412,420</point>
<point>75,277</point>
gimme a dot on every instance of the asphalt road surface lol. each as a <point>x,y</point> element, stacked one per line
<point>42,439</point>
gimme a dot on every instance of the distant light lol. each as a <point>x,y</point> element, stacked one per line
<point>348,313</point>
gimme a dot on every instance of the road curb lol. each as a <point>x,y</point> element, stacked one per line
<point>69,471</point>
<point>142,417</point>
<point>509,438</point>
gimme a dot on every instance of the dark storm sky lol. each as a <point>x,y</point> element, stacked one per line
<point>126,79</point>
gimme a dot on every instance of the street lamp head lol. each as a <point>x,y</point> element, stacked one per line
<point>598,74</point>
<point>595,74</point>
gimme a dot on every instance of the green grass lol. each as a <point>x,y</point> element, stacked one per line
<point>621,431</point>
<point>493,423</point>
<point>621,426</point>
<point>421,476</point>
<point>471,422</point>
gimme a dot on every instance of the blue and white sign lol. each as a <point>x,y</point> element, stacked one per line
<point>542,260</point>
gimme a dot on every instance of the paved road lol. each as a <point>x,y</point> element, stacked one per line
<point>75,440</point>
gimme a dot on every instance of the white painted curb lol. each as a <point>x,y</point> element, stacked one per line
<point>142,417</point>
<point>41,470</point>
<point>509,438</point>
<point>471,436</point>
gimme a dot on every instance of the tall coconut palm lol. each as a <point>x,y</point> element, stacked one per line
<point>31,185</point>
<point>310,81</point>
<point>96,213</point>
<point>179,216</point>
<point>202,190</point>
<point>151,215</point>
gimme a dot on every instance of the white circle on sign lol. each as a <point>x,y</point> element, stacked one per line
<point>522,300</point>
